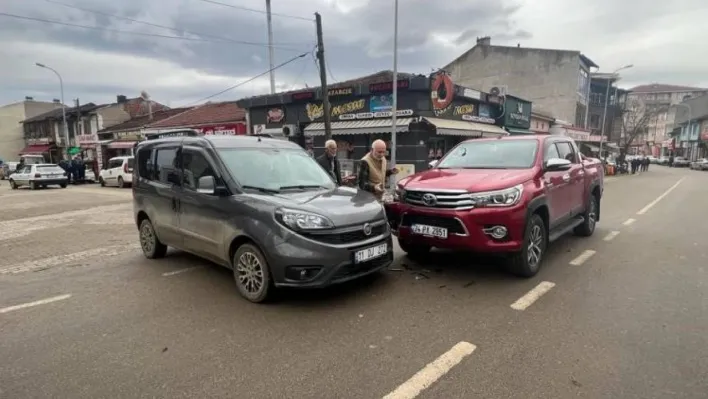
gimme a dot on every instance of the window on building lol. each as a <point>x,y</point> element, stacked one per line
<point>595,121</point>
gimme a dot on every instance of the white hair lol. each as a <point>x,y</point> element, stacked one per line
<point>379,141</point>
<point>330,143</point>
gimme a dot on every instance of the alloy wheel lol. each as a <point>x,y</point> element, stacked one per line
<point>147,238</point>
<point>535,246</point>
<point>592,214</point>
<point>249,273</point>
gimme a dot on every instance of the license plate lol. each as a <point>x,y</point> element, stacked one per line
<point>432,231</point>
<point>370,253</point>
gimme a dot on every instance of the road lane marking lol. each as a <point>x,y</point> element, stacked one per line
<point>532,296</point>
<point>35,303</point>
<point>659,198</point>
<point>46,263</point>
<point>611,235</point>
<point>432,372</point>
<point>180,271</point>
<point>583,257</point>
<point>629,221</point>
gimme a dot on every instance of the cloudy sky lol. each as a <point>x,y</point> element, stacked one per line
<point>208,47</point>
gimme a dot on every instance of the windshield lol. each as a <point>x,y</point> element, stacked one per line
<point>491,154</point>
<point>275,169</point>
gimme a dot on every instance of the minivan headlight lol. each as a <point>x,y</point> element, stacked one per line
<point>302,220</point>
<point>499,198</point>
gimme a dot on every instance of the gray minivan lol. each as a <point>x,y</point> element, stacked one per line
<point>261,207</point>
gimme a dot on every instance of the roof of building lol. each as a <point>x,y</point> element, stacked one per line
<point>57,113</point>
<point>663,88</point>
<point>542,115</point>
<point>207,114</point>
<point>145,120</point>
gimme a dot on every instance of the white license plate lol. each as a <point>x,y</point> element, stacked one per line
<point>370,253</point>
<point>432,231</point>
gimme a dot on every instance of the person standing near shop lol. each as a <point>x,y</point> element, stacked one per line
<point>329,161</point>
<point>373,170</point>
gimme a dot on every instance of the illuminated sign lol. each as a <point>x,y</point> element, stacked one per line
<point>316,111</point>
<point>340,91</point>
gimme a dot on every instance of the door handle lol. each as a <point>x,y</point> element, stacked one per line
<point>566,177</point>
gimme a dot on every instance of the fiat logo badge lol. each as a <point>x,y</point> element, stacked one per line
<point>367,229</point>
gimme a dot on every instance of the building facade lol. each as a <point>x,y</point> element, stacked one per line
<point>557,81</point>
<point>12,138</point>
<point>692,127</point>
<point>607,107</point>
<point>541,123</point>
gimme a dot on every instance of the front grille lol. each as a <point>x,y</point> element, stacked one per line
<point>458,200</point>
<point>452,225</point>
<point>348,235</point>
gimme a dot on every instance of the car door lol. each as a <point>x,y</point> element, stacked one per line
<point>575,176</point>
<point>202,216</point>
<point>166,182</point>
<point>22,176</point>
<point>556,188</point>
<point>110,175</point>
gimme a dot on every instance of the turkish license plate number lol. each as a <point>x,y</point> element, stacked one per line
<point>370,253</point>
<point>432,231</point>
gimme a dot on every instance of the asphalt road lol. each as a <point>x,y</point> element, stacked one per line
<point>622,314</point>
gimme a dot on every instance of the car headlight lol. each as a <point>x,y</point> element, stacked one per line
<point>399,194</point>
<point>302,220</point>
<point>500,198</point>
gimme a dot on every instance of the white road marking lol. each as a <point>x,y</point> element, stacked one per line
<point>611,235</point>
<point>659,198</point>
<point>532,296</point>
<point>432,372</point>
<point>46,263</point>
<point>180,271</point>
<point>35,303</point>
<point>582,258</point>
<point>629,221</point>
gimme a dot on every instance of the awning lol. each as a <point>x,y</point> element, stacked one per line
<point>369,126</point>
<point>612,146</point>
<point>121,145</point>
<point>518,131</point>
<point>463,128</point>
<point>591,147</point>
<point>36,149</point>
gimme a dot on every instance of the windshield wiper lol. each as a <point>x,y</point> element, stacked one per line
<point>262,189</point>
<point>302,187</point>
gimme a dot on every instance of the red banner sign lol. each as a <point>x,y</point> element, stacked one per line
<point>233,129</point>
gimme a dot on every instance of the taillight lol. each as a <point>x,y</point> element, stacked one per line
<point>125,167</point>
<point>37,175</point>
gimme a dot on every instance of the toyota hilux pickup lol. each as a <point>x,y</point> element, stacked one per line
<point>511,195</point>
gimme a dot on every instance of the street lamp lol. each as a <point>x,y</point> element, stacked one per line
<point>607,97</point>
<point>63,108</point>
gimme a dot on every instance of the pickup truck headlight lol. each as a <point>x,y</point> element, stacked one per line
<point>302,220</point>
<point>499,198</point>
<point>399,193</point>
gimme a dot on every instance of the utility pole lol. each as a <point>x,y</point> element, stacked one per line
<point>394,94</point>
<point>323,79</point>
<point>77,130</point>
<point>270,47</point>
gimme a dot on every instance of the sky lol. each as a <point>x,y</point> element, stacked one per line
<point>184,51</point>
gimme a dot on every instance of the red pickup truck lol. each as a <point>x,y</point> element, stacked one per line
<point>511,195</point>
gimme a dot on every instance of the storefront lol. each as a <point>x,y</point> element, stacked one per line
<point>517,115</point>
<point>42,146</point>
<point>433,115</point>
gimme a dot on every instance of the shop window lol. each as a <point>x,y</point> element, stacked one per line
<point>436,149</point>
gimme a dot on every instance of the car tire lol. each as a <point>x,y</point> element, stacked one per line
<point>121,183</point>
<point>252,274</point>
<point>63,185</point>
<point>102,182</point>
<point>152,247</point>
<point>527,262</point>
<point>13,185</point>
<point>413,250</point>
<point>588,227</point>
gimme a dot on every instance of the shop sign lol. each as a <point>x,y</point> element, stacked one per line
<point>316,111</point>
<point>442,92</point>
<point>473,94</point>
<point>224,130</point>
<point>382,102</point>
<point>87,139</point>
<point>374,115</point>
<point>481,119</point>
<point>388,86</point>
<point>467,109</point>
<point>340,91</point>
<point>275,115</point>
<point>579,136</point>
<point>39,141</point>
<point>518,114</point>
<point>484,110</point>
<point>306,95</point>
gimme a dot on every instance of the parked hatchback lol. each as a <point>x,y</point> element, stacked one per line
<point>261,207</point>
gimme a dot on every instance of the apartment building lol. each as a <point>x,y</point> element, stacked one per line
<point>12,140</point>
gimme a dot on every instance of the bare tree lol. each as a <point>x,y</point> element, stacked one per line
<point>636,117</point>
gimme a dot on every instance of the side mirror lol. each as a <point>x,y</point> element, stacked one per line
<point>433,163</point>
<point>557,164</point>
<point>206,185</point>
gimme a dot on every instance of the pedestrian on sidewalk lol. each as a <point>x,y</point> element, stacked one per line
<point>634,162</point>
<point>373,170</point>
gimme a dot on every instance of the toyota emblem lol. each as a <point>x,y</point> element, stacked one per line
<point>367,229</point>
<point>430,199</point>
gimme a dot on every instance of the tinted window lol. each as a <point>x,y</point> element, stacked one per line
<point>166,166</point>
<point>566,151</point>
<point>551,152</point>
<point>115,163</point>
<point>195,166</point>
<point>491,154</point>
<point>274,168</point>
<point>145,163</point>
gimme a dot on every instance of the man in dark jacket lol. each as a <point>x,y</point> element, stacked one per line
<point>329,161</point>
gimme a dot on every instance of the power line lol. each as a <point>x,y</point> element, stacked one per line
<point>258,11</point>
<point>148,23</point>
<point>192,39</point>
<point>251,79</point>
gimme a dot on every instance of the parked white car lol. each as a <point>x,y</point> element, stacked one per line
<point>119,172</point>
<point>38,175</point>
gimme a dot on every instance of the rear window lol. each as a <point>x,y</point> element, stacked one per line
<point>49,168</point>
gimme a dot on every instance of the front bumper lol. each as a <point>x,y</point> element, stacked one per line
<point>325,264</point>
<point>467,230</point>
